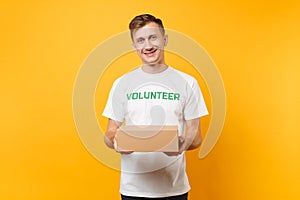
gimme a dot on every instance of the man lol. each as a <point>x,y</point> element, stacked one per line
<point>154,175</point>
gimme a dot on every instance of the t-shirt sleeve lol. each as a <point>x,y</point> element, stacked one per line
<point>114,106</point>
<point>195,105</point>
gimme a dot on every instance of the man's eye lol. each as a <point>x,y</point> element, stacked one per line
<point>153,37</point>
<point>140,41</point>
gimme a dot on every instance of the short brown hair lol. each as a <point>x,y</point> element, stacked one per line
<point>141,20</point>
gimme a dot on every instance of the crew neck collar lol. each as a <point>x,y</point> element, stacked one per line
<point>163,73</point>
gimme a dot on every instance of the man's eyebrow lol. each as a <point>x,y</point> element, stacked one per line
<point>140,38</point>
<point>143,38</point>
<point>152,35</point>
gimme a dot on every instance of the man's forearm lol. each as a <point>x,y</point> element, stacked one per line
<point>195,143</point>
<point>108,142</point>
<point>193,136</point>
<point>111,132</point>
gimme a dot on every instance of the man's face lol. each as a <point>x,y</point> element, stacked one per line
<point>149,43</point>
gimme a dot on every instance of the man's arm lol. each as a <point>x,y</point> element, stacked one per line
<point>191,139</point>
<point>110,134</point>
<point>193,136</point>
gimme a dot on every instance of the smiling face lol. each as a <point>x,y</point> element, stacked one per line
<point>149,43</point>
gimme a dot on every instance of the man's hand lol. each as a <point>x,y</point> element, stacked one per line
<point>110,136</point>
<point>191,140</point>
<point>182,147</point>
<point>119,150</point>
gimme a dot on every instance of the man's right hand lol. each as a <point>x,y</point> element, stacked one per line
<point>119,150</point>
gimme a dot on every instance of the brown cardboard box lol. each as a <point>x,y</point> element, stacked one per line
<point>148,138</point>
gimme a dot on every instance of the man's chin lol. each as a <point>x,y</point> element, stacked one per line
<point>151,62</point>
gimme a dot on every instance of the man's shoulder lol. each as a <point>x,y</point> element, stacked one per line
<point>128,75</point>
<point>187,77</point>
<point>133,72</point>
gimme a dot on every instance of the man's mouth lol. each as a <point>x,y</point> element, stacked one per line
<point>150,53</point>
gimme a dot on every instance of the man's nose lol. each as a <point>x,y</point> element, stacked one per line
<point>148,44</point>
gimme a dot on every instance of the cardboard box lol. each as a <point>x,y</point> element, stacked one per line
<point>148,138</point>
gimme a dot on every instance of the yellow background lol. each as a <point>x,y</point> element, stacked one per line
<point>254,44</point>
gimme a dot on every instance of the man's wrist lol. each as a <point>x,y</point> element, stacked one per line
<point>187,143</point>
<point>108,142</point>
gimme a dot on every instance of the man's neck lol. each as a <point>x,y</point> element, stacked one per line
<point>154,69</point>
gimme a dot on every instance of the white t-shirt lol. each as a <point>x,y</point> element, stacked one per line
<point>167,98</point>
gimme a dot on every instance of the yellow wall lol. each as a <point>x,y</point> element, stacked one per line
<point>255,45</point>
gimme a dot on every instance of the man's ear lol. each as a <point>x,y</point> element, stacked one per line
<point>166,40</point>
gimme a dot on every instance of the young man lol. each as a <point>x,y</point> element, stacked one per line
<point>154,94</point>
